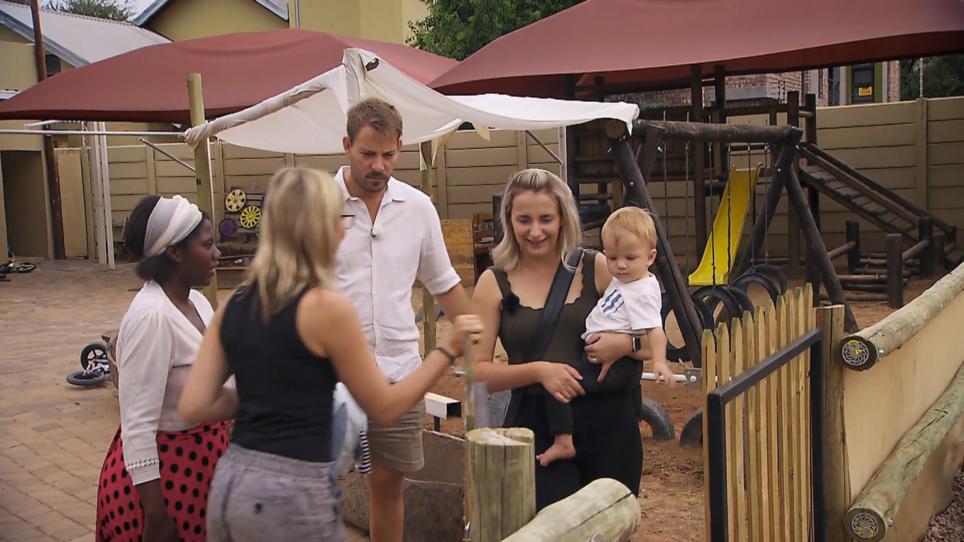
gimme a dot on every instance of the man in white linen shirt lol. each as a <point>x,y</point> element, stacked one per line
<point>395,237</point>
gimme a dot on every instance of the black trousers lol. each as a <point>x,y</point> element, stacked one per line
<point>606,437</point>
<point>623,375</point>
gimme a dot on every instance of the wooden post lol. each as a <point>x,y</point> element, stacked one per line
<point>895,271</point>
<point>836,474</point>
<point>697,149</point>
<point>50,160</point>
<point>810,131</point>
<point>202,165</point>
<point>793,223</point>
<point>853,255</point>
<point>940,250</point>
<point>925,229</point>
<point>428,301</point>
<point>720,158</point>
<point>501,478</point>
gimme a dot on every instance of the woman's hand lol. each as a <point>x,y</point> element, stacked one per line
<point>560,380</point>
<point>606,348</point>
<point>158,525</point>
<point>466,326</point>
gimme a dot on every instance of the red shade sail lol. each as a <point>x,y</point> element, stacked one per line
<point>237,71</point>
<point>639,44</point>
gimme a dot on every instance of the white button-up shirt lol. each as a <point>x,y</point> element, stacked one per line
<point>377,264</point>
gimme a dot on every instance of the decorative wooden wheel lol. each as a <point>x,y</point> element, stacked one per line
<point>250,217</point>
<point>234,201</point>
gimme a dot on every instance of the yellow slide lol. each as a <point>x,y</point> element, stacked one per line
<point>724,241</point>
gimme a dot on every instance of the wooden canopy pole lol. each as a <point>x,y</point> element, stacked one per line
<point>202,166</point>
<point>49,157</point>
<point>428,300</point>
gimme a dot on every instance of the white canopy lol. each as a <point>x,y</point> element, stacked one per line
<point>310,118</point>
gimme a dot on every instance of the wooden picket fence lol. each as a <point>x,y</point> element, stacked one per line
<point>768,447</point>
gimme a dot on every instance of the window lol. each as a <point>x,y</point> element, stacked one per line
<point>53,64</point>
<point>862,83</point>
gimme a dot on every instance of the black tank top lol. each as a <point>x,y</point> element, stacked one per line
<point>284,391</point>
<point>518,324</point>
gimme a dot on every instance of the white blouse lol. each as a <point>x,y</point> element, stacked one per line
<point>156,346</point>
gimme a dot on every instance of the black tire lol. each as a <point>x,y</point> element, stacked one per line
<point>93,352</point>
<point>679,352</point>
<point>773,274</point>
<point>692,433</point>
<point>740,295</point>
<point>658,420</point>
<point>714,296</point>
<point>743,283</point>
<point>80,379</point>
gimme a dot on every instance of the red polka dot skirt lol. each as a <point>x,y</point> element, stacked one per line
<point>187,460</point>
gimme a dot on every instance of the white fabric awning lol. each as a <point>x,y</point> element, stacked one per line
<point>310,118</point>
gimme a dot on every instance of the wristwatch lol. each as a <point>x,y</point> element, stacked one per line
<point>637,342</point>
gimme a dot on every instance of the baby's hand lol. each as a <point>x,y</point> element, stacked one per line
<point>663,372</point>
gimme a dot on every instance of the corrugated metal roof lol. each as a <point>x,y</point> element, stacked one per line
<point>78,39</point>
<point>278,7</point>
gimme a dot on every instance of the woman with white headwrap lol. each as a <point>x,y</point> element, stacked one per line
<point>155,479</point>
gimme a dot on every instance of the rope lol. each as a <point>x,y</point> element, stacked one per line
<point>766,238</point>
<point>729,217</point>
<point>749,168</point>
<point>712,237</point>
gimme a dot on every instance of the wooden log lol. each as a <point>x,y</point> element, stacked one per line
<point>914,251</point>
<point>699,131</point>
<point>818,251</point>
<point>845,248</point>
<point>603,510</point>
<point>862,350</point>
<point>875,508</point>
<point>428,300</point>
<point>835,470</point>
<point>853,255</point>
<point>925,232</point>
<point>895,270</point>
<point>501,481</point>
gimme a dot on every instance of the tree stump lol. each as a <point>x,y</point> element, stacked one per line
<point>500,482</point>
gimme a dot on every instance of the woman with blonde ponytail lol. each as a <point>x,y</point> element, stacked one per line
<point>288,337</point>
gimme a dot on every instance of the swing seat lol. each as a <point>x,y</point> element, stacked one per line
<point>723,243</point>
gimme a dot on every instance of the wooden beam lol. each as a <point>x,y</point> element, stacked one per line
<point>818,250</point>
<point>428,301</point>
<point>700,131</point>
<point>875,508</point>
<point>202,166</point>
<point>860,351</point>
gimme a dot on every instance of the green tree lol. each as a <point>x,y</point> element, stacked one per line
<point>943,76</point>
<point>458,28</point>
<point>121,10</point>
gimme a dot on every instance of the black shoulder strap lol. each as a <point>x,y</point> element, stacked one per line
<point>555,300</point>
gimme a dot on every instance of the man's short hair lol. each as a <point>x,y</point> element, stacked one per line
<point>379,114</point>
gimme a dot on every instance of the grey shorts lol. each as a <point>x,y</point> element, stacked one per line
<point>399,446</point>
<point>255,495</point>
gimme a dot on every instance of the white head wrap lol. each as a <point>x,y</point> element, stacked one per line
<point>171,221</point>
